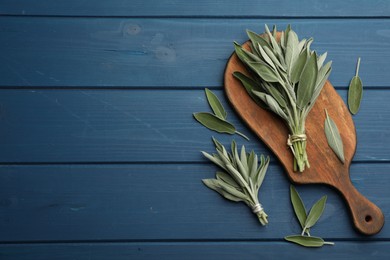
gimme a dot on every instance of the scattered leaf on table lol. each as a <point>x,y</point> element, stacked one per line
<point>306,241</point>
<point>315,212</point>
<point>355,92</point>
<point>299,207</point>
<point>215,123</point>
<point>333,136</point>
<point>215,104</point>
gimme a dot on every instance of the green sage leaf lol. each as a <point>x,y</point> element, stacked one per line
<point>261,172</point>
<point>297,69</point>
<point>333,137</point>
<point>264,71</point>
<point>299,207</point>
<point>321,60</point>
<point>257,39</point>
<point>355,92</point>
<point>215,104</point>
<point>214,123</point>
<point>306,241</point>
<point>315,212</point>
<point>242,55</point>
<point>250,85</point>
<point>223,176</point>
<point>307,82</point>
<point>291,50</point>
<point>272,104</point>
<point>214,185</point>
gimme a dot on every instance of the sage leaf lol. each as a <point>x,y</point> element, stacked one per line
<point>250,85</point>
<point>213,184</point>
<point>355,92</point>
<point>257,39</point>
<point>296,71</point>
<point>214,123</point>
<point>306,240</point>
<point>333,137</point>
<point>272,104</point>
<point>307,82</point>
<point>315,212</point>
<point>264,71</point>
<point>299,207</point>
<point>223,176</point>
<point>291,50</point>
<point>215,104</point>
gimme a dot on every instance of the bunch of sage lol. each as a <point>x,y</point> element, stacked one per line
<point>307,220</point>
<point>217,121</point>
<point>286,78</point>
<point>241,177</point>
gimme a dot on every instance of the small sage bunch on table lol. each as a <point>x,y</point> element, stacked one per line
<point>286,77</point>
<point>241,177</point>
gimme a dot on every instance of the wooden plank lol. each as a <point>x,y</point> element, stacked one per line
<point>195,250</point>
<point>121,52</point>
<point>164,202</point>
<point>142,126</point>
<point>267,8</point>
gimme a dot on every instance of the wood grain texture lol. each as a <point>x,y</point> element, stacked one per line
<point>120,52</point>
<point>325,167</point>
<point>165,202</point>
<point>219,8</point>
<point>232,250</point>
<point>142,126</point>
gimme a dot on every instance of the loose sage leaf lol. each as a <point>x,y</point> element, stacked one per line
<point>355,92</point>
<point>215,123</point>
<point>215,104</point>
<point>315,212</point>
<point>333,137</point>
<point>305,240</point>
<point>307,82</point>
<point>299,207</point>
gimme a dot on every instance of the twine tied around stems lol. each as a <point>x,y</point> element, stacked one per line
<point>257,208</point>
<point>295,138</point>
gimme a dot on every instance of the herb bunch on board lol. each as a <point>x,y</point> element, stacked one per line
<point>286,78</point>
<point>241,177</point>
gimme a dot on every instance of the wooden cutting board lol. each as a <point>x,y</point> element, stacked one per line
<point>325,166</point>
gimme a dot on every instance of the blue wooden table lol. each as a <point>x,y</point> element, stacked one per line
<point>99,152</point>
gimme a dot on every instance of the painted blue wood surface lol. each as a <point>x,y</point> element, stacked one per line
<point>252,250</point>
<point>99,153</point>
<point>219,8</point>
<point>142,126</point>
<point>121,52</point>
<point>156,202</point>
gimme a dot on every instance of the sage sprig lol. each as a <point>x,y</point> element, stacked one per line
<point>333,137</point>
<point>286,78</point>
<point>307,220</point>
<point>217,121</point>
<point>355,91</point>
<point>241,176</point>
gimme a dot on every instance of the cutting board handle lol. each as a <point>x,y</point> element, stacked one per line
<point>367,217</point>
